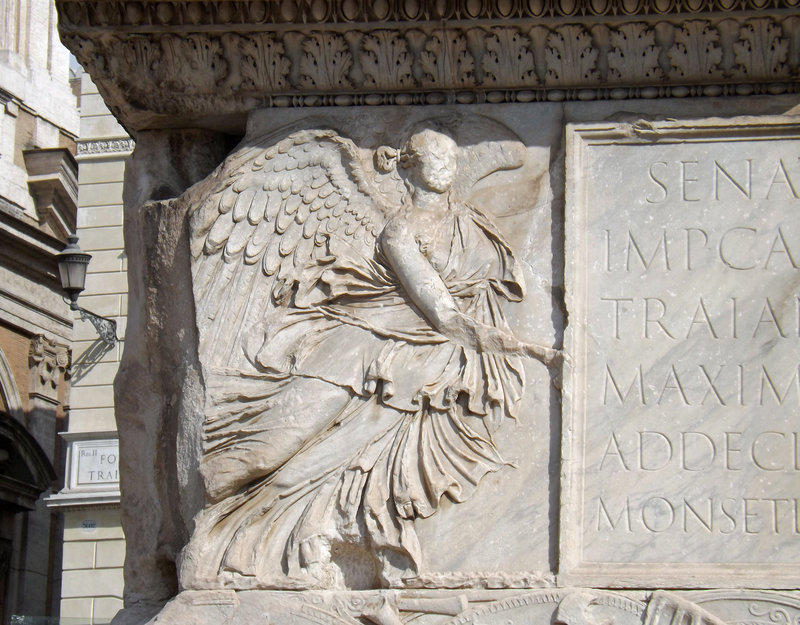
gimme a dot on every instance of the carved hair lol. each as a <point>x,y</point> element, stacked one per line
<point>388,158</point>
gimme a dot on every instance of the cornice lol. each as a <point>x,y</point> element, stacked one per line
<point>83,501</point>
<point>160,62</point>
<point>311,14</point>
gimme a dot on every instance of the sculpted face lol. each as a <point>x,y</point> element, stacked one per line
<point>433,159</point>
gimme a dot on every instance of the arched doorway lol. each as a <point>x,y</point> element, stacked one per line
<point>25,473</point>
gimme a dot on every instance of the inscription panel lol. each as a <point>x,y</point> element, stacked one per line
<point>97,463</point>
<point>94,464</point>
<point>682,402</point>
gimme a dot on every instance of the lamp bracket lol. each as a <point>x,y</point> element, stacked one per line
<point>106,328</point>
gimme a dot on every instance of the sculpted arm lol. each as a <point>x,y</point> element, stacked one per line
<point>429,293</point>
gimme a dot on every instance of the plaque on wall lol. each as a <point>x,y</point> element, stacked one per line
<point>682,443</point>
<point>92,475</point>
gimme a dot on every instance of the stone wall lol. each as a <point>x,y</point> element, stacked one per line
<point>102,150</point>
<point>94,544</point>
<point>94,552</point>
<point>38,127</point>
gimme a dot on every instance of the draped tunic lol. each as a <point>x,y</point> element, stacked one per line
<point>415,423</point>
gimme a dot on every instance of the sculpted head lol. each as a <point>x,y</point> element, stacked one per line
<point>432,158</point>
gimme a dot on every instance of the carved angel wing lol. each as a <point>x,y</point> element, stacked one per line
<point>271,214</point>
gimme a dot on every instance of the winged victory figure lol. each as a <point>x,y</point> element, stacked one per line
<point>356,357</point>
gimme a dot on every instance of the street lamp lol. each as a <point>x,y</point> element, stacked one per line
<point>72,265</point>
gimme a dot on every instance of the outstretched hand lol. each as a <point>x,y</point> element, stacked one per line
<point>546,355</point>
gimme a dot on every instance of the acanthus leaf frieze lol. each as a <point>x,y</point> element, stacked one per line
<point>105,146</point>
<point>197,73</point>
<point>244,14</point>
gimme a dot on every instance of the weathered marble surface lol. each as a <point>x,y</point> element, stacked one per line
<point>264,446</point>
<point>246,55</point>
<point>561,606</point>
<point>505,535</point>
<point>683,393</point>
<point>368,334</point>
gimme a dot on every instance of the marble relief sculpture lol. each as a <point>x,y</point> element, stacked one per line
<point>356,355</point>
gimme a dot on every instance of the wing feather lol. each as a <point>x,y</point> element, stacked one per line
<point>242,206</point>
<point>316,204</point>
<point>303,251</point>
<point>325,190</point>
<point>263,221</point>
<point>292,204</point>
<point>308,194</point>
<point>257,212</point>
<point>272,258</point>
<point>239,184</point>
<point>283,220</point>
<point>238,238</point>
<point>255,247</point>
<point>302,213</point>
<point>218,235</point>
<point>227,200</point>
<point>285,145</point>
<point>310,228</point>
<point>273,205</point>
<point>289,242</point>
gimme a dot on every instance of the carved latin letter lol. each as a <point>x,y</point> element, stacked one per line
<point>704,440</point>
<point>634,246</point>
<point>659,507</point>
<point>663,187</point>
<point>701,318</point>
<point>689,232</point>
<point>745,190</point>
<point>613,451</point>
<point>723,250</point>
<point>779,247</point>
<point>617,301</point>
<point>686,180</point>
<point>766,461</point>
<point>781,169</point>
<point>656,438</point>
<point>648,320</point>
<point>768,317</point>
<point>618,392</point>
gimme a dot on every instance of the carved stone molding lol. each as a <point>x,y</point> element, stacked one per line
<point>53,182</point>
<point>565,606</point>
<point>105,146</point>
<point>195,59</point>
<point>48,360</point>
<point>238,13</point>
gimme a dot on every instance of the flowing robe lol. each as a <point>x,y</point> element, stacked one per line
<point>409,419</point>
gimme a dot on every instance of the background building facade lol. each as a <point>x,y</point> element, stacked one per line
<point>56,373</point>
<point>94,547</point>
<point>38,197</point>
